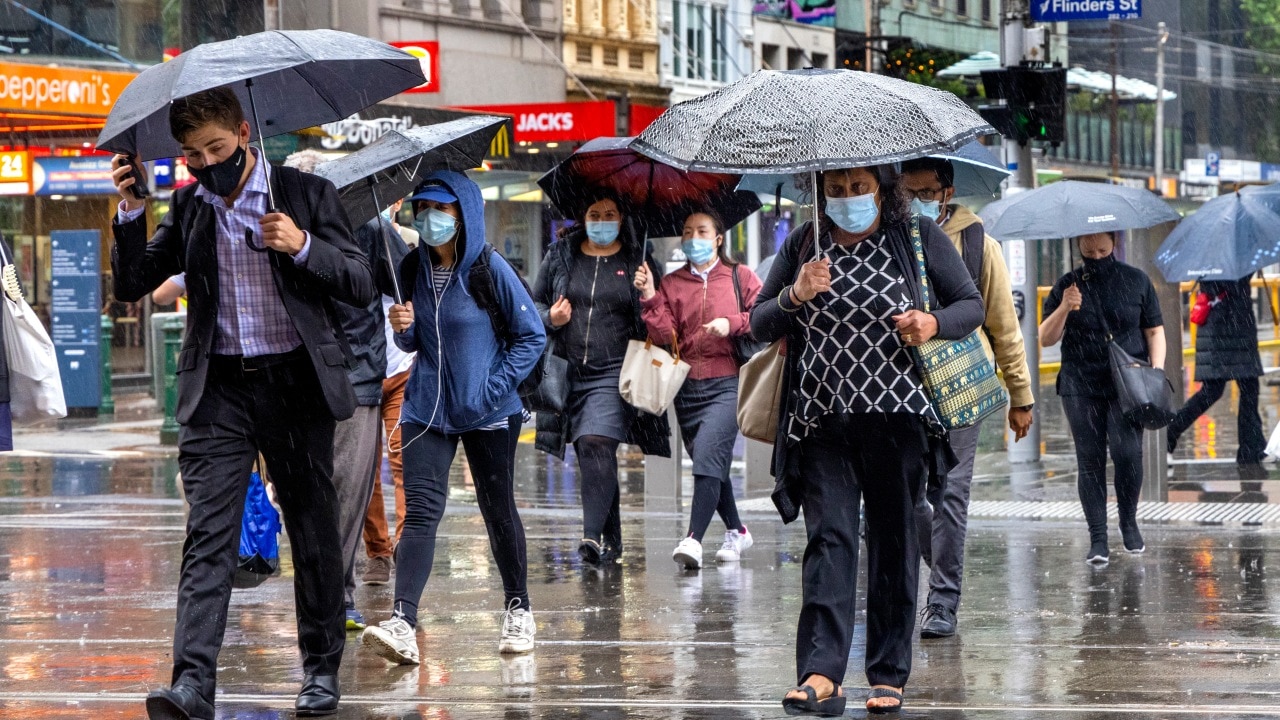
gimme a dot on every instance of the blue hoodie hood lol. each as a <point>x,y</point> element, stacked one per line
<point>471,238</point>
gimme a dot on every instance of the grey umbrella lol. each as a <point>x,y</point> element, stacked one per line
<point>1071,208</point>
<point>287,79</point>
<point>809,120</point>
<point>394,164</point>
<point>1229,237</point>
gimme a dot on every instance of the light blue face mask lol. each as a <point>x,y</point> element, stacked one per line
<point>698,250</point>
<point>386,215</point>
<point>603,232</point>
<point>435,227</point>
<point>853,214</point>
<point>931,209</point>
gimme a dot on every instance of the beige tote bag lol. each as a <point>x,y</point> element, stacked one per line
<point>760,393</point>
<point>651,377</point>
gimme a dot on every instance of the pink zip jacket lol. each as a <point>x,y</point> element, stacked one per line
<point>686,303</point>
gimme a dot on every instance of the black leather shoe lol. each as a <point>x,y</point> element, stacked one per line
<point>939,622</point>
<point>319,696</point>
<point>180,702</point>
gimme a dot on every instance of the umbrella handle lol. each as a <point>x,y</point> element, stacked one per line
<point>817,249</point>
<point>253,110</point>
<point>386,244</point>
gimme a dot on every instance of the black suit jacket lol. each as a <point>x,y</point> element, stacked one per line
<point>186,242</point>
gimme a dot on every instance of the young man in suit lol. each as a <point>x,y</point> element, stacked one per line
<point>262,368</point>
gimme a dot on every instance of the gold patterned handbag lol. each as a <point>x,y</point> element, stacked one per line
<point>959,376</point>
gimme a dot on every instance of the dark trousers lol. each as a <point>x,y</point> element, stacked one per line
<point>279,412</point>
<point>1099,426</point>
<point>601,496</point>
<point>879,459</point>
<point>942,522</point>
<point>427,455</point>
<point>1253,444</point>
<point>707,412</point>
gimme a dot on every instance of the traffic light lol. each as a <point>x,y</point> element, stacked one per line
<point>1035,103</point>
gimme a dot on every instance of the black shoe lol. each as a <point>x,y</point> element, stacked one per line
<point>1171,442</point>
<point>590,551</point>
<point>1133,543</point>
<point>610,554</point>
<point>180,702</point>
<point>1098,554</point>
<point>319,696</point>
<point>939,622</point>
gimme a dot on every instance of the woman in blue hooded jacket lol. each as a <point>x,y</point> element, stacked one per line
<point>463,387</point>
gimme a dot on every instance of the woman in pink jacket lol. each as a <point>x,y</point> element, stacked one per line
<point>699,306</point>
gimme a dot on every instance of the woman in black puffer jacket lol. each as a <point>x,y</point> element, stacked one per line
<point>1227,349</point>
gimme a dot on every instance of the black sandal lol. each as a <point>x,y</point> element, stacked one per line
<point>884,692</point>
<point>831,706</point>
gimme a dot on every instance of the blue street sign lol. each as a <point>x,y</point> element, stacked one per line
<point>1068,10</point>
<point>77,313</point>
<point>1211,162</point>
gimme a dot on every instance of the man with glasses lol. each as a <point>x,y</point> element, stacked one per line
<point>942,519</point>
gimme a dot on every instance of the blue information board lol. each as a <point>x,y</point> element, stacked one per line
<point>76,313</point>
<point>1068,10</point>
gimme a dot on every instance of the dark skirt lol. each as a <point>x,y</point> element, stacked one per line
<point>597,408</point>
<point>707,410</point>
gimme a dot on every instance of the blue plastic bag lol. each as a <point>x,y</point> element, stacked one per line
<point>259,537</point>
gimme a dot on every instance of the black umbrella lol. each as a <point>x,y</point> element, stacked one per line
<point>286,79</point>
<point>1071,208</point>
<point>1229,237</point>
<point>656,196</point>
<point>394,164</point>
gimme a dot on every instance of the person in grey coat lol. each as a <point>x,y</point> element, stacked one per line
<point>1227,349</point>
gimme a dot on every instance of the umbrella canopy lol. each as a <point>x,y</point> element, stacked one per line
<point>978,172</point>
<point>1229,237</point>
<point>395,163</point>
<point>1072,208</point>
<point>657,196</point>
<point>808,121</point>
<point>299,78</point>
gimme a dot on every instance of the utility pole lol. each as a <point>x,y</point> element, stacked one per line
<point>1115,101</point>
<point>866,57</point>
<point>1160,43</point>
<point>1021,255</point>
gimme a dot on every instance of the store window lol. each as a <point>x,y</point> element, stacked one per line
<point>699,35</point>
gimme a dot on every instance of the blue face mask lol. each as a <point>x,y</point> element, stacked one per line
<point>699,250</point>
<point>603,232</point>
<point>386,215</point>
<point>435,227</point>
<point>854,214</point>
<point>931,210</point>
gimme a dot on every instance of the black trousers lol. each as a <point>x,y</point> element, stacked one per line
<point>601,494</point>
<point>427,456</point>
<point>280,412</point>
<point>879,459</point>
<point>1098,427</point>
<point>1252,442</point>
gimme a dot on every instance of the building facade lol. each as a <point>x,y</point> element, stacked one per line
<point>611,50</point>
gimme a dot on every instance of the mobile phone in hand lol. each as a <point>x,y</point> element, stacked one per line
<point>139,186</point>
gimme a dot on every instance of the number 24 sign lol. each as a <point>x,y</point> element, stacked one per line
<point>15,166</point>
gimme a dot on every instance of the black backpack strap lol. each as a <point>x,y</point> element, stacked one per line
<point>410,266</point>
<point>485,293</point>
<point>973,247</point>
<point>737,288</point>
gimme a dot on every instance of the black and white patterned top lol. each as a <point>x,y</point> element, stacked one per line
<point>853,359</point>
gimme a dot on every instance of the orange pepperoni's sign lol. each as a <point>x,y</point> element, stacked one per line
<point>59,90</point>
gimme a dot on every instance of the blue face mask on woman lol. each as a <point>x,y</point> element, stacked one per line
<point>931,209</point>
<point>603,232</point>
<point>698,250</point>
<point>435,227</point>
<point>853,214</point>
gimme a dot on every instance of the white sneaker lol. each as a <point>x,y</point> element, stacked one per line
<point>393,640</point>
<point>735,543</point>
<point>688,553</point>
<point>518,630</point>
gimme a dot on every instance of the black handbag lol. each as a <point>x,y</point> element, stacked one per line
<point>745,346</point>
<point>547,387</point>
<point>1144,392</point>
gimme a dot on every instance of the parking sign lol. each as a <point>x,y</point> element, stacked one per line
<point>1211,163</point>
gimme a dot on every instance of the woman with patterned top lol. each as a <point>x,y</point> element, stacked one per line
<point>590,310</point>
<point>703,305</point>
<point>856,422</point>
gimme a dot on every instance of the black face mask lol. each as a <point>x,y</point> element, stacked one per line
<point>1097,264</point>
<point>221,178</point>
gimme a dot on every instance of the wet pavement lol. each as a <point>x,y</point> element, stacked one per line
<point>91,534</point>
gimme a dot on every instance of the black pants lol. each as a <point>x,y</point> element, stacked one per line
<point>1098,426</point>
<point>881,460</point>
<point>427,455</point>
<point>707,412</point>
<point>601,496</point>
<point>279,411</point>
<point>942,522</point>
<point>1253,444</point>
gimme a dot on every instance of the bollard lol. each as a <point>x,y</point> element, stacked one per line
<point>173,328</point>
<point>108,404</point>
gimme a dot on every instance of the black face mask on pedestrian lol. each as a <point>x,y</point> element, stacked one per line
<point>1099,264</point>
<point>221,178</point>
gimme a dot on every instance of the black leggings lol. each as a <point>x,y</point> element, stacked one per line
<point>427,456</point>
<point>712,495</point>
<point>601,497</point>
<point>1252,444</point>
<point>1098,426</point>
